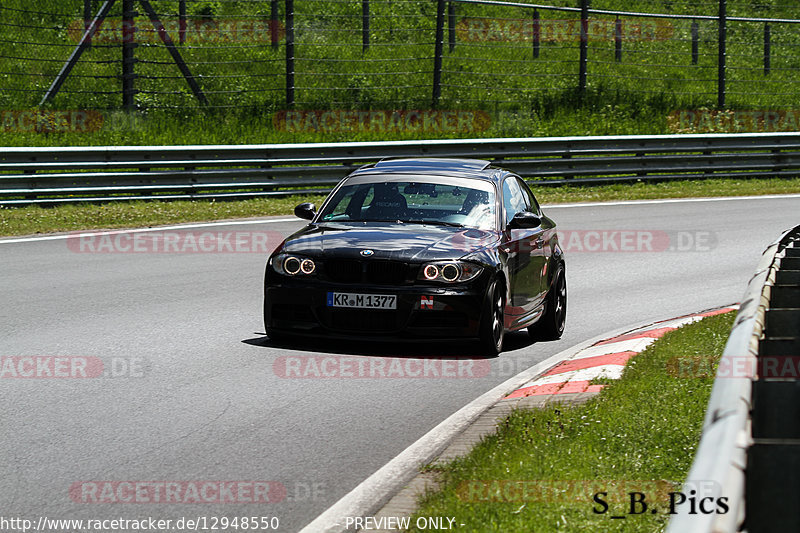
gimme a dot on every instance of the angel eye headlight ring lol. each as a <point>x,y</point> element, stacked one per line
<point>450,272</point>
<point>292,265</point>
<point>431,272</point>
<point>307,266</point>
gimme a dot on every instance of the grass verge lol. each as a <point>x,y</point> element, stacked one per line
<point>34,219</point>
<point>539,472</point>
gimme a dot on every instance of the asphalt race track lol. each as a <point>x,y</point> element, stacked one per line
<point>197,398</point>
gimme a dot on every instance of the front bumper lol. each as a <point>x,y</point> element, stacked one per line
<point>423,312</point>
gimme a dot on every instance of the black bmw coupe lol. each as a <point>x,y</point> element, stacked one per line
<point>420,249</point>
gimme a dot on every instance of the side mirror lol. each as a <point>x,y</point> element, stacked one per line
<point>305,210</point>
<point>525,219</point>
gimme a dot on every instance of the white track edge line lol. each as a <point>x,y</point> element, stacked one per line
<point>90,233</point>
<point>271,221</point>
<point>673,200</point>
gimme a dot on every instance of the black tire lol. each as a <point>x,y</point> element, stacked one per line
<point>492,328</point>
<point>550,325</point>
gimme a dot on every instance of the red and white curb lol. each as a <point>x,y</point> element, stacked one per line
<point>604,359</point>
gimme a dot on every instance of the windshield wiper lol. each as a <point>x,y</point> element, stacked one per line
<point>434,222</point>
<point>398,221</point>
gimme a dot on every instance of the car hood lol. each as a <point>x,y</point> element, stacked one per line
<point>396,241</point>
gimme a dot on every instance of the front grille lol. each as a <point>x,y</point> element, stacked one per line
<point>363,320</point>
<point>386,272</point>
<point>344,270</point>
<point>371,271</point>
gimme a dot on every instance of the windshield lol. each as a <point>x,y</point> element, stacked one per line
<point>469,205</point>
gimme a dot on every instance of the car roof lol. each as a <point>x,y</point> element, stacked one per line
<point>436,166</point>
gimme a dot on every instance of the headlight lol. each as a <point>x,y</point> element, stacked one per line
<point>449,271</point>
<point>293,265</point>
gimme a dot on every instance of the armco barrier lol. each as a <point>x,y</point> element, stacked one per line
<point>750,448</point>
<point>75,174</point>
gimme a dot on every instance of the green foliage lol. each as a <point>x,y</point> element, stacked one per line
<point>491,69</point>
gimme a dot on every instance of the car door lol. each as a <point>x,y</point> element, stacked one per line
<point>523,246</point>
<point>542,245</point>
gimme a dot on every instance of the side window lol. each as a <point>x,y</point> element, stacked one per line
<point>530,199</point>
<point>513,199</point>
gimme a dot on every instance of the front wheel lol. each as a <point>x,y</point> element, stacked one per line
<point>492,329</point>
<point>550,326</point>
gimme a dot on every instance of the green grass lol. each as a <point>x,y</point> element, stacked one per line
<point>34,219</point>
<point>497,74</point>
<point>639,434</point>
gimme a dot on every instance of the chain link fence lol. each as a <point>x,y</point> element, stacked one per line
<point>394,54</point>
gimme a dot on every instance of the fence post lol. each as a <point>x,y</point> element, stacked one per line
<point>128,55</point>
<point>618,40</point>
<point>364,25</point>
<point>182,22</point>
<point>273,24</point>
<point>767,46</point>
<point>438,52</point>
<point>583,47</point>
<point>695,39</point>
<point>289,53</point>
<point>87,18</point>
<point>75,56</point>
<point>721,56</point>
<point>536,33</point>
<point>451,25</point>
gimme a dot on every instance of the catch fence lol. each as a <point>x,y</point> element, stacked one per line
<point>394,54</point>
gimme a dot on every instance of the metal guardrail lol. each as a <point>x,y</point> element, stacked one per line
<point>75,174</point>
<point>738,440</point>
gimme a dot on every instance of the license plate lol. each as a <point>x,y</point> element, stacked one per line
<point>362,301</point>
